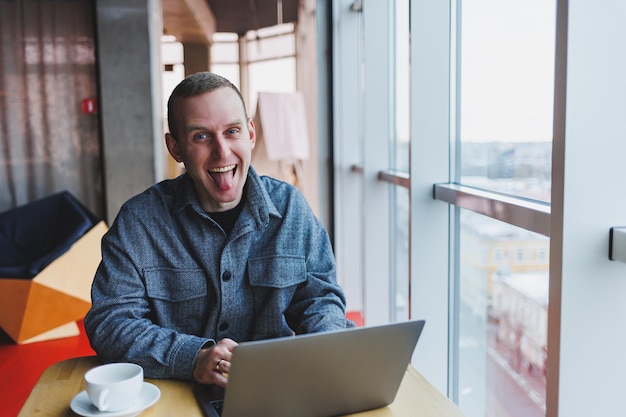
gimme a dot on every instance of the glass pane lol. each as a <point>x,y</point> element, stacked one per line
<point>402,83</point>
<point>224,53</point>
<point>400,252</point>
<point>271,48</point>
<point>269,31</point>
<point>225,57</point>
<point>400,141</point>
<point>276,76</point>
<point>228,71</point>
<point>506,92</point>
<point>503,304</point>
<point>225,37</point>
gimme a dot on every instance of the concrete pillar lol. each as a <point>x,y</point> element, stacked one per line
<point>129,63</point>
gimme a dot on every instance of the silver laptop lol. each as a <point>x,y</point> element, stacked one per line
<point>317,375</point>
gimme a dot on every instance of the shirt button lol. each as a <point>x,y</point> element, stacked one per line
<point>226,276</point>
<point>223,326</point>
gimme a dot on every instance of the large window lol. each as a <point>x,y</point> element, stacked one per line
<point>225,56</point>
<point>504,89</point>
<point>266,56</point>
<point>491,138</point>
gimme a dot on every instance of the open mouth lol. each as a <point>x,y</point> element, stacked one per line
<point>223,176</point>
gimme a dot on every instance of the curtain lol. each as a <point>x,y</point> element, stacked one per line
<point>49,128</point>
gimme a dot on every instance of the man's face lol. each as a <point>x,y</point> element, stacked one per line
<point>215,142</point>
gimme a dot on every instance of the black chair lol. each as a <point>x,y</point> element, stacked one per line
<point>35,234</point>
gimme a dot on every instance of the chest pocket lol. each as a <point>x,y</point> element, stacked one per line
<point>178,297</point>
<point>274,281</point>
<point>277,272</point>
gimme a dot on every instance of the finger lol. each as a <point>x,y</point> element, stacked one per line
<point>230,343</point>
<point>219,362</point>
<point>223,367</point>
<point>224,348</point>
<point>220,380</point>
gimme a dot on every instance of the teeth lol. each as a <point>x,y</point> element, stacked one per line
<point>222,169</point>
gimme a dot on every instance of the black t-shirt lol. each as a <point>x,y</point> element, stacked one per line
<point>227,219</point>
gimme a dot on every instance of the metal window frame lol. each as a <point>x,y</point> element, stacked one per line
<point>525,213</point>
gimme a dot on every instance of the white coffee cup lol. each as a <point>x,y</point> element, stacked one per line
<point>114,386</point>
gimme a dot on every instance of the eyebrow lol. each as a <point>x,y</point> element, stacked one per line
<point>191,128</point>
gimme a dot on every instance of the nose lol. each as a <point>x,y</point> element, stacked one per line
<point>221,148</point>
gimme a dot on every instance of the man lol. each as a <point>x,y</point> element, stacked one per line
<point>217,256</point>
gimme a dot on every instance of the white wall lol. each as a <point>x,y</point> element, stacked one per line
<point>593,289</point>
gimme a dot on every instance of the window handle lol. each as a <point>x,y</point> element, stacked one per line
<point>617,244</point>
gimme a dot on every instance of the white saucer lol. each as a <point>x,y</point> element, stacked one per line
<point>83,407</point>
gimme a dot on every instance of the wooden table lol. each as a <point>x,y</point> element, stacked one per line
<point>59,383</point>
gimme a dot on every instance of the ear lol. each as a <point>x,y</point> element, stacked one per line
<point>252,132</point>
<point>172,147</point>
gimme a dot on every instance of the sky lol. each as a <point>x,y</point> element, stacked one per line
<point>507,70</point>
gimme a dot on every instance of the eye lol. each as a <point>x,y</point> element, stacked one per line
<point>232,131</point>
<point>199,137</point>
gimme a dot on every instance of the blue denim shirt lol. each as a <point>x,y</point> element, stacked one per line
<point>171,280</point>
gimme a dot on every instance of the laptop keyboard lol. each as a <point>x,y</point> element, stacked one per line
<point>218,405</point>
<point>210,398</point>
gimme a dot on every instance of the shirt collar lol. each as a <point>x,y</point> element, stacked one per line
<point>258,199</point>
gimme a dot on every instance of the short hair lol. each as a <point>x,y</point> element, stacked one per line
<point>195,85</point>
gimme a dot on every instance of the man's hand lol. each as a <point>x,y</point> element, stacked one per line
<point>213,364</point>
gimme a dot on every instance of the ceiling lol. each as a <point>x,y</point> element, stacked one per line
<point>197,20</point>
<point>240,16</point>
